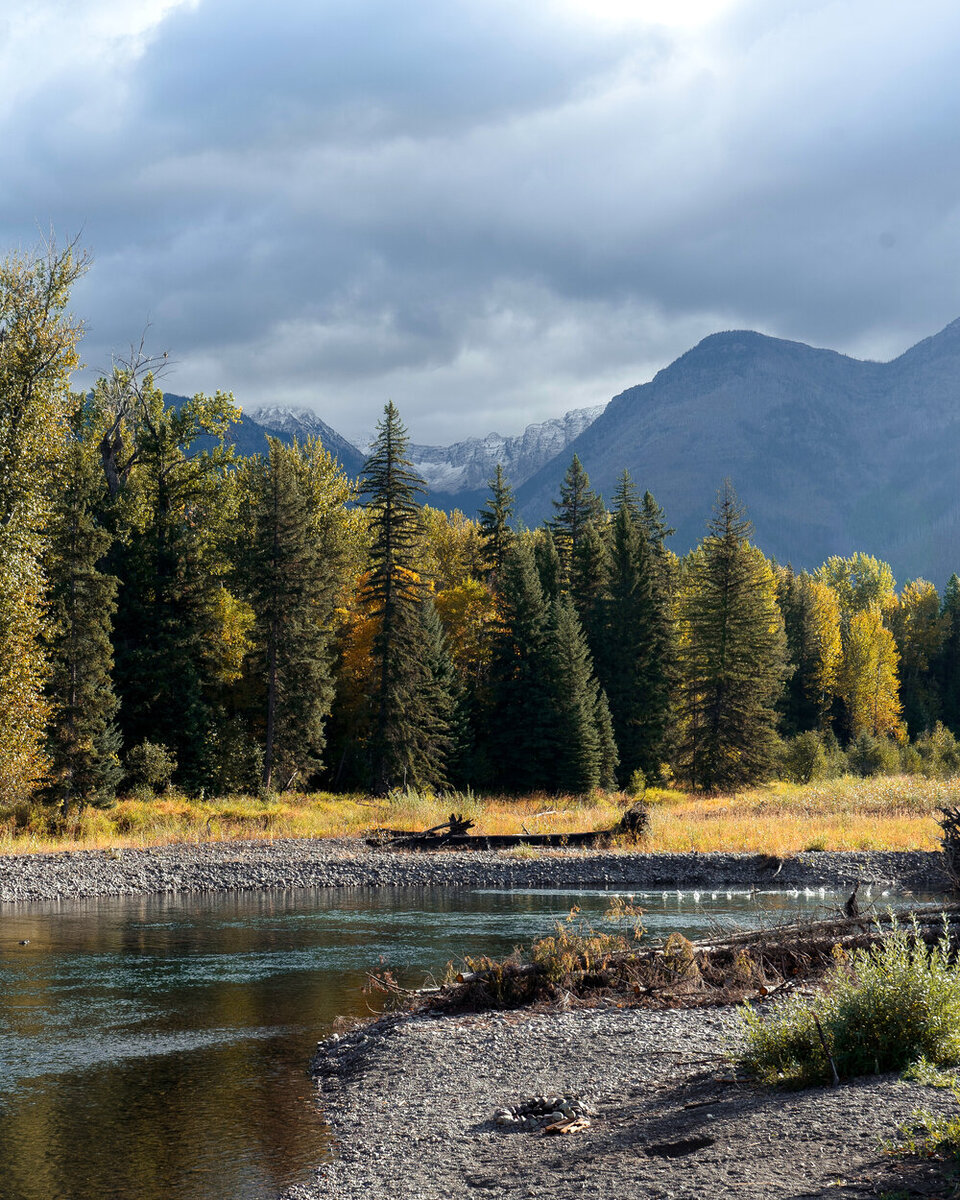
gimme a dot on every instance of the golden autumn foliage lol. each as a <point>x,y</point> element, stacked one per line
<point>38,350</point>
<point>868,681</point>
<point>469,615</point>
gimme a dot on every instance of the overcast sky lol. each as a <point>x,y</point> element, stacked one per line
<point>488,211</point>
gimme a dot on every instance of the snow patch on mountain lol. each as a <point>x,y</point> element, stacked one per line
<point>467,465</point>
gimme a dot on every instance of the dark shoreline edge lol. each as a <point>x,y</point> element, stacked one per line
<point>348,863</point>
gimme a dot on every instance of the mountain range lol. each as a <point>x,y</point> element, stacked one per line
<point>830,454</point>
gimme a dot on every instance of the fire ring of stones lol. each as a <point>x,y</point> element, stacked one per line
<point>565,1113</point>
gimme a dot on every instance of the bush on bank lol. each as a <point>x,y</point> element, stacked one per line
<point>880,1009</point>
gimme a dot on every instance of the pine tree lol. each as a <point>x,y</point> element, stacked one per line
<point>731,656</point>
<point>441,743</point>
<point>588,576</point>
<point>578,507</point>
<point>170,639</point>
<point>653,521</point>
<point>407,730</point>
<point>292,568</point>
<point>578,758</point>
<point>585,755</point>
<point>634,644</point>
<point>494,519</point>
<point>83,741</point>
<point>547,560</point>
<point>520,735</point>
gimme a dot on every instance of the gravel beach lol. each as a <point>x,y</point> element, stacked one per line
<point>412,1103</point>
<point>283,864</point>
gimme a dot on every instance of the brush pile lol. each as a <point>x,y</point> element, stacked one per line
<point>581,967</point>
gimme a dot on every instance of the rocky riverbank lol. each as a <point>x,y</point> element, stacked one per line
<point>413,1106</point>
<point>285,864</point>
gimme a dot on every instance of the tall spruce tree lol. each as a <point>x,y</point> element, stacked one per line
<point>547,559</point>
<point>584,756</point>
<point>494,521</point>
<point>634,643</point>
<point>520,736</point>
<point>171,563</point>
<point>732,657</point>
<point>292,568</point>
<point>578,507</point>
<point>408,735</point>
<point>83,741</point>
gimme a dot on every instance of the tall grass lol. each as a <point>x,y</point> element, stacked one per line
<point>881,812</point>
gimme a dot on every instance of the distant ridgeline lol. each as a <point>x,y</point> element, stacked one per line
<point>830,454</point>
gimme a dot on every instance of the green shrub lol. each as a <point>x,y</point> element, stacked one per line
<point>880,1009</point>
<point>150,765</point>
<point>803,758</point>
<point>873,756</point>
<point>637,785</point>
<point>938,752</point>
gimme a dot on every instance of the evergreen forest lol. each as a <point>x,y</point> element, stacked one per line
<point>252,625</point>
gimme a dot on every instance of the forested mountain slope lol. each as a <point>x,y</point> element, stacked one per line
<point>830,454</point>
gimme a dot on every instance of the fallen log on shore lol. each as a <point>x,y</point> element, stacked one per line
<point>739,966</point>
<point>454,835</point>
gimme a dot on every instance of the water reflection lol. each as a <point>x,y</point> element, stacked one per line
<point>157,1049</point>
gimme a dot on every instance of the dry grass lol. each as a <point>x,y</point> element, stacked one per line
<point>886,813</point>
<point>895,812</point>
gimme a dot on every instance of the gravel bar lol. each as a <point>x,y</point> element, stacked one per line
<point>412,1105</point>
<point>342,863</point>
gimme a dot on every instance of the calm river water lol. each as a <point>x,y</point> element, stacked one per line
<point>158,1049</point>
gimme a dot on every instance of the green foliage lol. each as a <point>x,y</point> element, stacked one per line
<point>38,350</point>
<point>411,712</point>
<point>880,1009</point>
<point>578,765</point>
<point>811,619</point>
<point>578,508</point>
<point>83,741</point>
<point>731,650</point>
<point>637,784</point>
<point>803,758</point>
<point>632,637</point>
<point>494,520</point>
<point>946,663</point>
<point>868,755</point>
<point>174,513</point>
<point>150,765</point>
<point>859,582</point>
<point>938,753</point>
<point>517,721</point>
<point>291,564</point>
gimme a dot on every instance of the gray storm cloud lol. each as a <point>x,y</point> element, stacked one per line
<point>488,212</point>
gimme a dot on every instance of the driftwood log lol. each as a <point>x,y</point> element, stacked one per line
<point>454,834</point>
<point>740,965</point>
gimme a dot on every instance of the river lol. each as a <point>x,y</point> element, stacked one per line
<point>159,1048</point>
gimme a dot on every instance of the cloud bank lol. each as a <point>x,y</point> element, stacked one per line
<point>485,210</point>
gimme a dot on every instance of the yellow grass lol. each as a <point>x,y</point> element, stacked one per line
<point>884,813</point>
